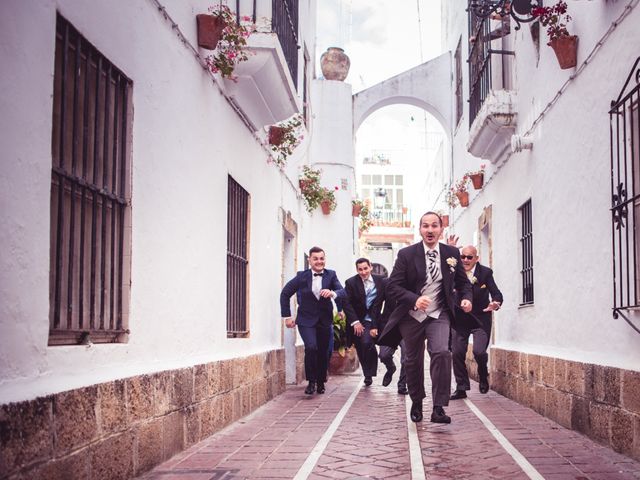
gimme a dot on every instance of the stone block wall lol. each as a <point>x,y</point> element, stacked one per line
<point>120,429</point>
<point>601,402</point>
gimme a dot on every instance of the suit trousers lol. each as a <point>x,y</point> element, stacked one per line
<point>386,357</point>
<point>316,345</point>
<point>459,344</point>
<point>366,350</point>
<point>436,332</point>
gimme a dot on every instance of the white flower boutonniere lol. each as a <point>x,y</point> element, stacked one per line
<point>452,262</point>
<point>473,280</point>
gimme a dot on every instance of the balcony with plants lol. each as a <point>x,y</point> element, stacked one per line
<point>255,48</point>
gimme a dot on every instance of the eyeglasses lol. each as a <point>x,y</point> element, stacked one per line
<point>467,257</point>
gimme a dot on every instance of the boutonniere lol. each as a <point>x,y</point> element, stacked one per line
<point>452,262</point>
<point>474,280</point>
<point>483,286</point>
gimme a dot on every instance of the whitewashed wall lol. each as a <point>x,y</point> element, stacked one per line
<point>186,139</point>
<point>567,176</point>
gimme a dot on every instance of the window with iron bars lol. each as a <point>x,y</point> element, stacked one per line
<point>625,196</point>
<point>490,59</point>
<point>526,252</point>
<point>90,244</point>
<point>237,259</point>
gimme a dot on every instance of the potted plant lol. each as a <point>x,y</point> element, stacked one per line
<point>444,217</point>
<point>477,177</point>
<point>356,207</point>
<point>328,200</point>
<point>284,137</point>
<point>555,18</point>
<point>451,198</point>
<point>310,188</point>
<point>460,191</point>
<point>231,45</point>
<point>365,219</point>
<point>343,358</point>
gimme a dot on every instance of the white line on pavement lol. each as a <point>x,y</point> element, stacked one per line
<point>308,466</point>
<point>415,454</point>
<point>506,444</point>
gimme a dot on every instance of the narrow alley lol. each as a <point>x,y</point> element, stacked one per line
<point>353,431</point>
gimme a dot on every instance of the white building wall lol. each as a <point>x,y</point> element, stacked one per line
<point>567,177</point>
<point>186,139</point>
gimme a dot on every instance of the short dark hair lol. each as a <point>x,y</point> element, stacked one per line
<point>315,250</point>
<point>431,213</point>
<point>363,260</point>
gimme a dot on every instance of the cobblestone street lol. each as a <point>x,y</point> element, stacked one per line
<point>353,431</point>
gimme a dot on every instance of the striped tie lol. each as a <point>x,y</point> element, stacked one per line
<point>431,265</point>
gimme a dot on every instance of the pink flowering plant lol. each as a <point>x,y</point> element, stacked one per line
<point>555,18</point>
<point>231,48</point>
<point>284,137</point>
<point>328,195</point>
<point>461,185</point>
<point>471,173</point>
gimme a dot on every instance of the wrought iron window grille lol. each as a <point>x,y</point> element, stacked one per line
<point>624,117</point>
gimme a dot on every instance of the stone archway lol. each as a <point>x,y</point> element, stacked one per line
<point>427,86</point>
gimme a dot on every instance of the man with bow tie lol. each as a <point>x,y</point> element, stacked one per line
<point>363,302</point>
<point>314,289</point>
<point>422,282</point>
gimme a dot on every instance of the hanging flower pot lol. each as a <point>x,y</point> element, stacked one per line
<point>210,29</point>
<point>355,210</point>
<point>445,220</point>
<point>463,198</point>
<point>276,135</point>
<point>325,205</point>
<point>566,50</point>
<point>477,179</point>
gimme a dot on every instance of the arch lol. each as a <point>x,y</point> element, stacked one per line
<point>426,86</point>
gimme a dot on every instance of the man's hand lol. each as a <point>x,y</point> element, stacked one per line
<point>326,293</point>
<point>289,322</point>
<point>492,307</point>
<point>358,329</point>
<point>373,332</point>
<point>423,302</point>
<point>466,305</point>
<point>452,240</point>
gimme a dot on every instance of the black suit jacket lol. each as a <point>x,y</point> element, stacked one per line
<point>355,301</point>
<point>484,290</point>
<point>409,276</point>
<point>311,310</point>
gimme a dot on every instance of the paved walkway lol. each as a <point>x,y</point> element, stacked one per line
<point>355,432</point>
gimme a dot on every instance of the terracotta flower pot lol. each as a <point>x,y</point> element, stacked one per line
<point>463,198</point>
<point>276,135</point>
<point>355,210</point>
<point>335,64</point>
<point>339,365</point>
<point>477,179</point>
<point>445,220</point>
<point>210,29</point>
<point>566,50</point>
<point>326,206</point>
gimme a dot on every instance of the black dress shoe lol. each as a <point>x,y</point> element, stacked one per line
<point>368,381</point>
<point>386,380</point>
<point>320,387</point>
<point>403,390</point>
<point>311,388</point>
<point>484,385</point>
<point>416,412</point>
<point>438,416</point>
<point>458,394</point>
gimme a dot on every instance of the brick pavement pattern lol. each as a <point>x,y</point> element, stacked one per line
<point>372,441</point>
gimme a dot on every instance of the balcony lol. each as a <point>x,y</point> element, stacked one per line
<point>263,88</point>
<point>492,112</point>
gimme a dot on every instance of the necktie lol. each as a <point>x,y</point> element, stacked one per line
<point>431,265</point>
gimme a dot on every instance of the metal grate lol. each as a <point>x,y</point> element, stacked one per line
<point>625,194</point>
<point>89,193</point>
<point>526,250</point>
<point>284,22</point>
<point>237,259</point>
